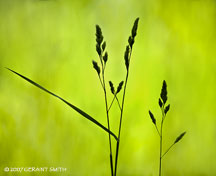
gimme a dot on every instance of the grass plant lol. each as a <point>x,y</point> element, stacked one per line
<point>164,110</point>
<point>100,69</point>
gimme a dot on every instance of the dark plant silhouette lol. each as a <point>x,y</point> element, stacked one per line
<point>127,57</point>
<point>103,57</point>
<point>81,112</point>
<point>164,109</point>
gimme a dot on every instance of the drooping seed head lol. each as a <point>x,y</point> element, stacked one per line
<point>163,94</point>
<point>152,117</point>
<point>112,87</point>
<point>180,137</point>
<point>134,29</point>
<point>96,67</point>
<point>119,87</point>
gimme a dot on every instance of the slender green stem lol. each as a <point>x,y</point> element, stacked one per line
<point>101,82</point>
<point>161,145</point>
<point>161,140</point>
<point>168,150</point>
<point>111,103</point>
<point>157,130</point>
<point>107,114</point>
<point>115,97</point>
<point>120,123</point>
<point>118,103</point>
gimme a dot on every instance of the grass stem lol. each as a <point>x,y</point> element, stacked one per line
<point>161,139</point>
<point>168,150</point>
<point>120,123</point>
<point>115,97</point>
<point>107,114</point>
<point>161,148</point>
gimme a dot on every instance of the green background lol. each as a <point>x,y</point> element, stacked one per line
<point>53,43</point>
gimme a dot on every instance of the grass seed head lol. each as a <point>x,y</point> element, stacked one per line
<point>163,94</point>
<point>131,41</point>
<point>112,87</point>
<point>180,137</point>
<point>105,57</point>
<point>120,86</point>
<point>152,117</point>
<point>104,46</point>
<point>99,35</point>
<point>98,49</point>
<point>167,109</point>
<point>160,103</point>
<point>96,67</point>
<point>134,29</point>
<point>126,56</point>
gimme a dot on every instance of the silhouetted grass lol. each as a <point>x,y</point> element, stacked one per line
<point>127,58</point>
<point>84,114</point>
<point>164,109</point>
<point>103,57</point>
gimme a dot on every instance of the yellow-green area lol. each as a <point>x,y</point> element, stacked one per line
<point>53,43</point>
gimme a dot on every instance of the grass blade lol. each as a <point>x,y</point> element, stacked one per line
<point>84,114</point>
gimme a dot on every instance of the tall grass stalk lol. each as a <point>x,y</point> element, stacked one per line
<point>164,110</point>
<point>103,56</point>
<point>127,57</point>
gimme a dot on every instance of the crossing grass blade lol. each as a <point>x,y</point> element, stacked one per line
<point>84,114</point>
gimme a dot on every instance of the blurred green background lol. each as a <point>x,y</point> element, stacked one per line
<point>53,43</point>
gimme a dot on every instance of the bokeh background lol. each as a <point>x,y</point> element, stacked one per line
<point>53,43</point>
